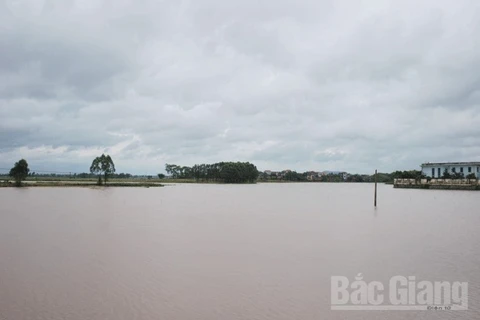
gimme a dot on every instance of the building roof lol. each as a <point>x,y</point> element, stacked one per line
<point>472,163</point>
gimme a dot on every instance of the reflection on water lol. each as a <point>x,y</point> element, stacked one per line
<point>264,251</point>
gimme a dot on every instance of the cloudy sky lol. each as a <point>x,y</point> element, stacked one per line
<point>298,84</point>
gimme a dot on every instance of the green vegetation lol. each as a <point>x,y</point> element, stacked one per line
<point>446,174</point>
<point>362,178</point>
<point>471,176</point>
<point>295,176</point>
<point>456,175</point>
<point>312,176</point>
<point>19,172</point>
<point>226,172</point>
<point>411,174</point>
<point>102,165</point>
<point>103,170</point>
<point>75,180</point>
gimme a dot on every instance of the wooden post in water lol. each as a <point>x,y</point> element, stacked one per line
<point>375,198</point>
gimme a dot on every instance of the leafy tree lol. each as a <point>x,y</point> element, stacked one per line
<point>446,174</point>
<point>102,165</point>
<point>172,169</point>
<point>161,176</point>
<point>471,176</point>
<point>457,175</point>
<point>19,172</point>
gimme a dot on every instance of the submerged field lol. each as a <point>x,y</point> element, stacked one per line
<point>216,251</point>
<point>80,182</point>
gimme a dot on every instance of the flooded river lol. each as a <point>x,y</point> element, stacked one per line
<point>227,252</point>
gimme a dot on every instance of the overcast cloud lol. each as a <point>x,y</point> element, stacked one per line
<point>285,84</point>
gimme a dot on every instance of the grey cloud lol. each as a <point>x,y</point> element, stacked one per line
<point>38,64</point>
<point>309,85</point>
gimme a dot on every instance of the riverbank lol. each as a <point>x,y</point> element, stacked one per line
<point>143,183</point>
<point>437,184</point>
<point>132,182</point>
<point>89,184</point>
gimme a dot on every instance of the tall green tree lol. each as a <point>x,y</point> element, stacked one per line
<point>19,172</point>
<point>172,169</point>
<point>102,165</point>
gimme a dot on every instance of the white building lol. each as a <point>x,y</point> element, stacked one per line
<point>435,170</point>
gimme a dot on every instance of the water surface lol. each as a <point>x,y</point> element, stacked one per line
<point>264,251</point>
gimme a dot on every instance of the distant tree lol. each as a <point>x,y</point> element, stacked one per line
<point>102,165</point>
<point>355,178</point>
<point>161,176</point>
<point>228,172</point>
<point>386,177</point>
<point>84,175</point>
<point>412,174</point>
<point>19,172</point>
<point>95,168</point>
<point>446,174</point>
<point>471,176</point>
<point>172,169</point>
<point>294,176</point>
<point>457,175</point>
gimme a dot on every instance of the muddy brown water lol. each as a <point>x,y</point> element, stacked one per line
<point>264,251</point>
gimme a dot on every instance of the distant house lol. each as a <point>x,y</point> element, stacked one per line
<point>269,174</point>
<point>436,169</point>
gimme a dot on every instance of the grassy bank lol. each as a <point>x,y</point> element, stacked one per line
<point>66,181</point>
<point>82,184</point>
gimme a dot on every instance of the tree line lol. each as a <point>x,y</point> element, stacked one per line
<point>227,172</point>
<point>417,175</point>
<point>295,176</point>
<point>103,168</point>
